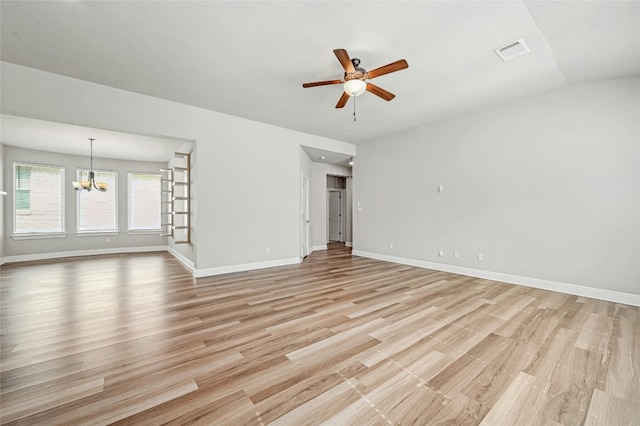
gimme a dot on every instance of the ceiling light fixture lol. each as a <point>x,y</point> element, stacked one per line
<point>355,87</point>
<point>91,182</point>
<point>354,81</point>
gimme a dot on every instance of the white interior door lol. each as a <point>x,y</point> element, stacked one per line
<point>335,214</point>
<point>305,217</point>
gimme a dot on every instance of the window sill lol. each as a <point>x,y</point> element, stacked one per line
<point>144,232</point>
<point>96,233</point>
<point>36,236</point>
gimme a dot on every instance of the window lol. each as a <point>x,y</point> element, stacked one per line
<point>144,202</point>
<point>98,211</point>
<point>38,199</point>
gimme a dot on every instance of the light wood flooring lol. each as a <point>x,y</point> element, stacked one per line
<point>134,339</point>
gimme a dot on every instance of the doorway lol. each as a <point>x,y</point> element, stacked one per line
<point>337,208</point>
<point>335,216</point>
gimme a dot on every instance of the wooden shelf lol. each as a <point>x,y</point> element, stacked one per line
<point>176,205</point>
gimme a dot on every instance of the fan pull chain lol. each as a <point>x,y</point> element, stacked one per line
<point>354,109</point>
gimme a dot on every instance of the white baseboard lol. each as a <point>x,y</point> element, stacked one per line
<point>576,290</point>
<point>74,253</point>
<point>319,247</point>
<point>182,258</point>
<point>219,270</point>
<point>348,244</point>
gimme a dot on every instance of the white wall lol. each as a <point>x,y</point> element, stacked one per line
<point>248,173</point>
<point>318,201</point>
<point>547,187</point>
<point>73,242</point>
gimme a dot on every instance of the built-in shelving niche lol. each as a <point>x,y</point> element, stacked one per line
<point>176,195</point>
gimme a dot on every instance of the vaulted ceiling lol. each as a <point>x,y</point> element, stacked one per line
<point>250,59</point>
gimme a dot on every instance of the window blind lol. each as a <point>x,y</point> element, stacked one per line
<point>38,198</point>
<point>144,201</point>
<point>98,211</point>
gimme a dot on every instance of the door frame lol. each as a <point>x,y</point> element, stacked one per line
<point>305,242</point>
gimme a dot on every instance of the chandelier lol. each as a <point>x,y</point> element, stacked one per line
<point>91,182</point>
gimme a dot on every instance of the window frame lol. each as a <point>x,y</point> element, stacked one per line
<point>16,235</point>
<point>111,188</point>
<point>130,230</point>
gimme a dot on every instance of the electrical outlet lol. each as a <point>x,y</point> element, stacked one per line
<point>456,254</point>
<point>480,257</point>
<point>266,249</point>
<point>440,253</point>
<point>391,246</point>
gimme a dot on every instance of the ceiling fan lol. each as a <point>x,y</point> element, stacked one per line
<point>355,78</point>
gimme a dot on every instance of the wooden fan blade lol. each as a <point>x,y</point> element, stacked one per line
<point>344,59</point>
<point>343,100</point>
<point>392,67</point>
<point>322,83</point>
<point>387,96</point>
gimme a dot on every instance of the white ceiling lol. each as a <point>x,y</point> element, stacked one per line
<point>328,157</point>
<point>67,139</point>
<point>250,59</point>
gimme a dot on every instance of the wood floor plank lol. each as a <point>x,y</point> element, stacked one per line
<point>338,339</point>
<point>492,382</point>
<point>319,409</point>
<point>609,409</point>
<point>460,410</point>
<point>521,393</point>
<point>17,406</point>
<point>297,394</point>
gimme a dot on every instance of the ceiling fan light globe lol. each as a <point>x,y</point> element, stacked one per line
<point>355,87</point>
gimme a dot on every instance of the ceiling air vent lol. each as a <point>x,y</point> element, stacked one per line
<point>512,50</point>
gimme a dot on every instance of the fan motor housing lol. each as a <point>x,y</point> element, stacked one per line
<point>359,74</point>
